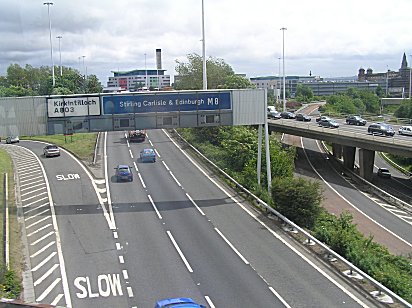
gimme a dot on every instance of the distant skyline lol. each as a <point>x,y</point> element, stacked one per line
<point>327,38</point>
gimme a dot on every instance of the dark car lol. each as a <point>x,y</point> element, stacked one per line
<point>287,115</point>
<point>51,150</point>
<point>328,123</point>
<point>303,117</point>
<point>384,173</point>
<point>274,115</point>
<point>124,173</point>
<point>322,118</point>
<point>178,302</point>
<point>355,120</point>
<point>381,129</point>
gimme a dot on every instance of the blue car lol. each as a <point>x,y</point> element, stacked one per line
<point>181,302</point>
<point>147,155</point>
<point>124,173</point>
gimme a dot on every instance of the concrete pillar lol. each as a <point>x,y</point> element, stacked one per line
<point>349,156</point>
<point>366,161</point>
<point>337,150</point>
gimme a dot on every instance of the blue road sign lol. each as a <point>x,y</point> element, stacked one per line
<point>170,102</point>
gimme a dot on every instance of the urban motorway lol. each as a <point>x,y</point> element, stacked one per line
<point>173,231</point>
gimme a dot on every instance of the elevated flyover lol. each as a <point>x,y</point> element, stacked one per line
<point>345,140</point>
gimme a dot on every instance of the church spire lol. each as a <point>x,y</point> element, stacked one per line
<point>404,64</point>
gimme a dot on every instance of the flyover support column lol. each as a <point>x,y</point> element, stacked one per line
<point>366,161</point>
<point>349,156</point>
<point>337,150</point>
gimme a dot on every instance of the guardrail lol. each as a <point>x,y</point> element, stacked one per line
<point>381,289</point>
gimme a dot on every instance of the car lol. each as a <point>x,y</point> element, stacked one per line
<point>147,155</point>
<point>328,123</point>
<point>381,129</point>
<point>405,130</point>
<point>270,110</point>
<point>322,118</point>
<point>384,173</point>
<point>274,115</point>
<point>303,117</point>
<point>12,139</point>
<point>356,120</point>
<point>287,115</point>
<point>124,173</point>
<point>179,302</point>
<point>51,150</point>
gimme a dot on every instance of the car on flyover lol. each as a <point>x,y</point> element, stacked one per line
<point>124,173</point>
<point>303,117</point>
<point>384,173</point>
<point>287,115</point>
<point>322,118</point>
<point>355,120</point>
<point>147,155</point>
<point>179,302</point>
<point>328,123</point>
<point>381,129</point>
<point>51,150</point>
<point>274,115</point>
<point>405,130</point>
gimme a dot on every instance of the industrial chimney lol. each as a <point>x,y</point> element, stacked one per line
<point>158,59</point>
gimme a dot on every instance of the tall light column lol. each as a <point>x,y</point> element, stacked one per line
<point>204,47</point>
<point>60,52</point>
<point>51,43</point>
<point>145,70</point>
<point>278,83</point>
<point>84,68</point>
<point>284,78</point>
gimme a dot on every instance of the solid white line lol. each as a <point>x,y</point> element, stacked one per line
<point>129,291</point>
<point>154,206</point>
<point>33,191</point>
<point>266,227</point>
<point>131,154</point>
<point>125,274</point>
<point>27,174</point>
<point>279,297</point>
<point>141,180</point>
<point>37,222</point>
<point>47,274</point>
<point>31,183</point>
<point>48,290</point>
<point>167,168</point>
<point>180,185</point>
<point>157,153</point>
<point>135,166</point>
<point>209,301</point>
<point>121,259</point>
<point>231,246</point>
<point>37,177</point>
<point>110,217</point>
<point>22,168</point>
<point>38,230</point>
<point>118,246</point>
<point>36,208</point>
<point>194,203</point>
<point>31,187</point>
<point>42,249</point>
<point>179,251</point>
<point>346,200</point>
<point>38,214</point>
<point>150,141</point>
<point>27,205</point>
<point>57,299</point>
<point>44,261</point>
<point>43,193</point>
<point>42,238</point>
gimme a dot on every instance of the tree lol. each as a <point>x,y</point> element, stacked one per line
<point>190,74</point>
<point>237,82</point>
<point>304,92</point>
<point>298,199</point>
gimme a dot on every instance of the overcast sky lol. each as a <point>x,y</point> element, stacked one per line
<point>330,38</point>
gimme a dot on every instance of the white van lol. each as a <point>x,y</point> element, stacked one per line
<point>405,130</point>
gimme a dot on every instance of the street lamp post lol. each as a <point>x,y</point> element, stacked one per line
<point>410,77</point>
<point>145,69</point>
<point>278,84</point>
<point>84,68</point>
<point>284,78</point>
<point>60,52</point>
<point>51,43</point>
<point>204,47</point>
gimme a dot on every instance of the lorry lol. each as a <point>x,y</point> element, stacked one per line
<point>137,135</point>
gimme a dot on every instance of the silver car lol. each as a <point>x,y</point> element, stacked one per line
<point>12,139</point>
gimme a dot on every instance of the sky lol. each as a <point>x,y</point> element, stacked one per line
<point>327,38</point>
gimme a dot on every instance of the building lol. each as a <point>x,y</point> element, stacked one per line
<point>395,84</point>
<point>141,79</point>
<point>325,88</point>
<point>276,82</point>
